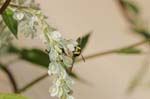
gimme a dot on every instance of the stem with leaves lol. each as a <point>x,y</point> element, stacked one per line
<point>86,57</point>
<point>127,16</point>
<point>131,13</point>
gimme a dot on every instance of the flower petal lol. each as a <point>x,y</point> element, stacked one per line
<point>53,68</point>
<point>54,91</point>
<point>18,15</point>
<point>67,61</point>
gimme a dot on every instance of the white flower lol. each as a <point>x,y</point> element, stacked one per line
<point>53,55</point>
<point>57,82</point>
<point>60,92</point>
<point>62,73</point>
<point>25,28</point>
<point>55,35</point>
<point>58,49</point>
<point>54,91</point>
<point>70,97</point>
<point>67,60</point>
<point>71,47</point>
<point>74,43</point>
<point>69,81</point>
<point>53,68</point>
<point>49,72</point>
<point>68,84</point>
<point>18,15</point>
<point>61,87</point>
<point>33,20</point>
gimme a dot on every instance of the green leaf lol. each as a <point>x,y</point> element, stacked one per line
<point>137,79</point>
<point>129,51</point>
<point>141,31</point>
<point>11,23</point>
<point>84,40</point>
<point>35,56</point>
<point>131,6</point>
<point>12,96</point>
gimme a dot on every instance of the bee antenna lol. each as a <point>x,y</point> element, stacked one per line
<point>83,58</point>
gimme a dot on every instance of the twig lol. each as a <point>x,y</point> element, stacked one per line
<point>124,10</point>
<point>18,6</point>
<point>112,51</point>
<point>10,76</point>
<point>4,6</point>
<point>32,83</point>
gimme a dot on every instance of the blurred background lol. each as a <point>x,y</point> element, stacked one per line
<point>108,76</point>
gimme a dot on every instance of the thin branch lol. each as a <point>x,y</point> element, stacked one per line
<point>32,83</point>
<point>18,6</point>
<point>10,76</point>
<point>4,6</point>
<point>124,10</point>
<point>112,51</point>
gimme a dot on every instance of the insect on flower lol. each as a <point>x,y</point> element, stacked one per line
<point>78,50</point>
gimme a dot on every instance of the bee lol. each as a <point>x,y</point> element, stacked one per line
<point>78,50</point>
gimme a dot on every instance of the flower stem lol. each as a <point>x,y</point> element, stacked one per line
<point>32,83</point>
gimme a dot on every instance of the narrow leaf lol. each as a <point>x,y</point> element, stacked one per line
<point>129,51</point>
<point>11,23</point>
<point>11,96</point>
<point>141,31</point>
<point>35,56</point>
<point>131,6</point>
<point>84,40</point>
<point>137,79</point>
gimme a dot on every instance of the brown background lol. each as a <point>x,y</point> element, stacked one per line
<point>109,75</point>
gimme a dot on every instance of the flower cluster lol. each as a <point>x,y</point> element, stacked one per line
<point>61,58</point>
<point>24,18</point>
<point>59,49</point>
<point>27,21</point>
<point>60,54</point>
